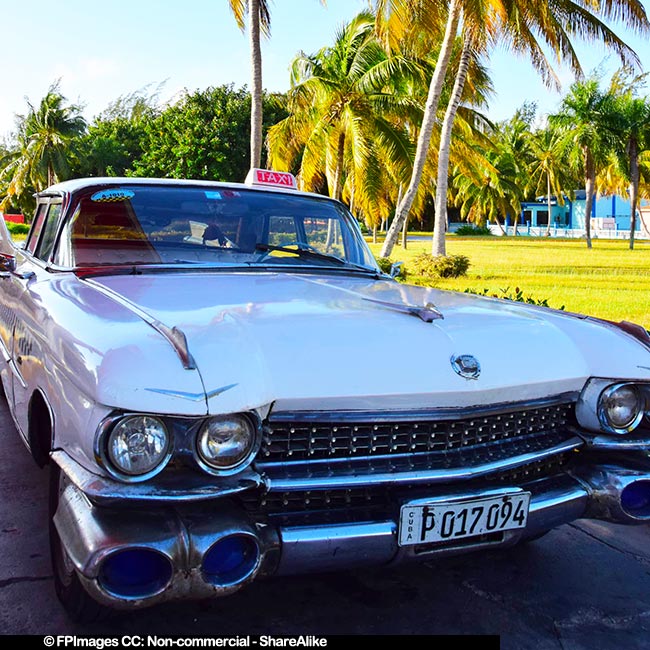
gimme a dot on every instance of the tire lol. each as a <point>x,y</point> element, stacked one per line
<point>78,604</point>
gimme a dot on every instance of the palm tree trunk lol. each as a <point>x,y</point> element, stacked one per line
<point>256,83</point>
<point>337,187</point>
<point>634,186</point>
<point>440,226</point>
<point>428,121</point>
<point>590,185</point>
<point>548,203</point>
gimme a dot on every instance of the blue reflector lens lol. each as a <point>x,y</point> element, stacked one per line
<point>230,560</point>
<point>135,573</point>
<point>635,499</point>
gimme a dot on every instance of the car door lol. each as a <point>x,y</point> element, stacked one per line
<point>23,312</point>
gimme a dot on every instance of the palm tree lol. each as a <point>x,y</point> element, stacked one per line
<point>587,117</point>
<point>520,25</point>
<point>547,171</point>
<point>44,140</point>
<point>491,190</point>
<point>633,128</point>
<point>259,20</point>
<point>346,119</point>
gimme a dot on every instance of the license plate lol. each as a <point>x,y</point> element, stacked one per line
<point>451,520</point>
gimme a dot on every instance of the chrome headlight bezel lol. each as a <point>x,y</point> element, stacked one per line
<point>604,417</point>
<point>103,456</point>
<point>590,415</point>
<point>254,427</point>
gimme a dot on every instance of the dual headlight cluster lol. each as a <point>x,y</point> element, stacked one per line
<point>622,407</point>
<point>137,447</point>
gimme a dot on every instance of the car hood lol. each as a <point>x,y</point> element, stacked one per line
<point>320,342</point>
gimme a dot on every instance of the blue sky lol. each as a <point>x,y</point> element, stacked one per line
<point>101,50</point>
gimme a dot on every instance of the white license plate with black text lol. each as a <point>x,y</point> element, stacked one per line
<point>451,520</point>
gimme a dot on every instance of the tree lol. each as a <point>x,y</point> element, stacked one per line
<point>259,22</point>
<point>520,25</point>
<point>492,190</point>
<point>429,116</point>
<point>43,151</point>
<point>202,136</point>
<point>344,118</point>
<point>587,117</point>
<point>631,125</point>
<point>114,141</point>
<point>547,171</point>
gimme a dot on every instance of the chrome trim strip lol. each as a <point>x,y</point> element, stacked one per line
<point>174,336</point>
<point>326,481</point>
<point>618,444</point>
<point>362,417</point>
<point>105,491</point>
<point>195,397</point>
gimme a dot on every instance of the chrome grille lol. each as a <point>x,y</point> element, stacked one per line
<point>300,441</point>
<point>381,499</point>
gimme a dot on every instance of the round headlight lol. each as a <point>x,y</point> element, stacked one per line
<point>621,408</point>
<point>225,443</point>
<point>138,445</point>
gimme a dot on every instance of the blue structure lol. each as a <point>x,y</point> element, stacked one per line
<point>608,213</point>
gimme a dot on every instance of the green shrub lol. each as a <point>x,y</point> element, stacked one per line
<point>17,228</point>
<point>442,266</point>
<point>385,264</point>
<point>468,230</point>
<point>516,295</point>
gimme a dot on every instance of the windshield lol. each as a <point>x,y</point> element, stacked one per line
<point>209,226</point>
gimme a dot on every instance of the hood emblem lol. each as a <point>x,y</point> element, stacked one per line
<point>466,366</point>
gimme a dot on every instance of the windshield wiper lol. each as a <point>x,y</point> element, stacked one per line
<point>306,251</point>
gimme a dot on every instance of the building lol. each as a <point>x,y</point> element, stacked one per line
<point>610,217</point>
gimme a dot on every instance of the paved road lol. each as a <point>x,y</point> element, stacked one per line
<point>582,587</point>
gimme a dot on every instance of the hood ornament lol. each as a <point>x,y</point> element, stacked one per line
<point>466,366</point>
<point>428,313</point>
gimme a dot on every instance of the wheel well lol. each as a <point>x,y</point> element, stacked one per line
<point>40,429</point>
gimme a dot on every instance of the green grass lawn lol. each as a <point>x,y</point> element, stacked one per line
<point>608,281</point>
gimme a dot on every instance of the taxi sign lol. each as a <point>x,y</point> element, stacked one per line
<point>270,178</point>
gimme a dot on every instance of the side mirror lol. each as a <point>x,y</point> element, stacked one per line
<point>7,264</point>
<point>396,269</point>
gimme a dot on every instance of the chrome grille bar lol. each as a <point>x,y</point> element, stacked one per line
<point>313,439</point>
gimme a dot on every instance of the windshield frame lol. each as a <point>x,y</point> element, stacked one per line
<point>357,255</point>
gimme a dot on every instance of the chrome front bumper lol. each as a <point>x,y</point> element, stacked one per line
<point>184,533</point>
